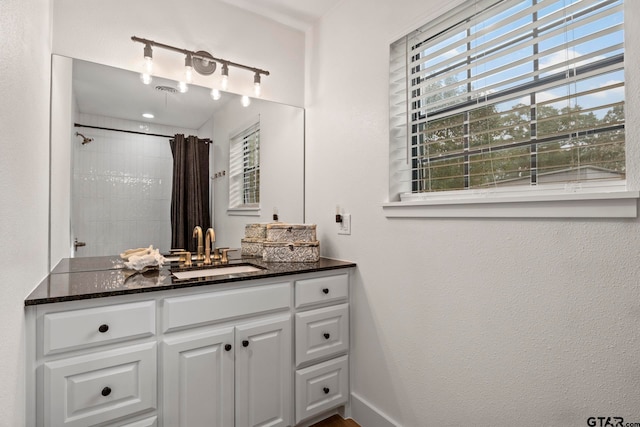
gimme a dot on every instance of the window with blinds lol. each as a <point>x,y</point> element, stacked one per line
<point>244,168</point>
<point>507,94</point>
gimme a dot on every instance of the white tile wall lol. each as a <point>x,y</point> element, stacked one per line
<point>121,187</point>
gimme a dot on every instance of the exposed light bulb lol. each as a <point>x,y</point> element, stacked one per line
<point>225,77</point>
<point>188,68</point>
<point>245,101</point>
<point>148,59</point>
<point>256,84</point>
<point>148,65</point>
<point>215,94</point>
<point>146,78</point>
<point>183,87</point>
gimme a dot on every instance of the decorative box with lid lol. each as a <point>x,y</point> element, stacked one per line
<point>291,243</point>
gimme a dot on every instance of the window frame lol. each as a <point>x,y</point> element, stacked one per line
<point>564,201</point>
<point>238,171</point>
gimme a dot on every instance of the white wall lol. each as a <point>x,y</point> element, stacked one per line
<point>101,32</point>
<point>463,322</point>
<point>24,177</point>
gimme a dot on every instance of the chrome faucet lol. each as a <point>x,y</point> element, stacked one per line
<point>197,232</point>
<point>209,240</point>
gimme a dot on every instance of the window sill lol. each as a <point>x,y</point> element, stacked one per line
<point>618,204</point>
<point>244,211</point>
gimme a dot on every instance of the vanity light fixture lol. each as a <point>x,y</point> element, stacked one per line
<point>201,61</point>
<point>225,76</point>
<point>256,84</point>
<point>188,68</point>
<point>245,101</point>
<point>148,58</point>
<point>145,77</point>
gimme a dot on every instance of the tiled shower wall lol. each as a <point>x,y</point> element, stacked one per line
<point>121,186</point>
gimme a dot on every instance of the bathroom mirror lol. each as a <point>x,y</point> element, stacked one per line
<point>111,167</point>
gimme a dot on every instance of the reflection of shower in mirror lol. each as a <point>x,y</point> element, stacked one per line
<point>85,140</point>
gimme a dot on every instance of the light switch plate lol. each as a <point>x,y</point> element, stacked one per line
<point>344,227</point>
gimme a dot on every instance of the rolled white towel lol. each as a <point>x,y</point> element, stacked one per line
<point>136,252</point>
<point>140,260</point>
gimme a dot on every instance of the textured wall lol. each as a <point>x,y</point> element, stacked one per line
<point>464,322</point>
<point>24,122</point>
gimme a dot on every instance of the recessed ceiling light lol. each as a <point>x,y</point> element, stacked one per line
<point>148,115</point>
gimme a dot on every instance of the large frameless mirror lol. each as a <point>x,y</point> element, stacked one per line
<point>111,161</point>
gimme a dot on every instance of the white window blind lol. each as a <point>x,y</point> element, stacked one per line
<point>509,94</point>
<point>244,168</point>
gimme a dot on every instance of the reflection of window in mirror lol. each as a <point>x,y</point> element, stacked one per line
<point>244,168</point>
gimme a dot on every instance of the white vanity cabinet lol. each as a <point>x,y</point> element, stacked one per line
<point>96,364</point>
<point>321,344</point>
<point>240,371</point>
<point>262,352</point>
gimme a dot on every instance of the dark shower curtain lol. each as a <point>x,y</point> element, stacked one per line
<point>190,190</point>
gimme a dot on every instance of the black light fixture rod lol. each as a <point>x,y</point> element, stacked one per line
<point>198,56</point>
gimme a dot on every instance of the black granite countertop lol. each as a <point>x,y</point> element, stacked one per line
<point>98,277</point>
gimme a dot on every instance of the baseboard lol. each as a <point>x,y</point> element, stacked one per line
<point>367,415</point>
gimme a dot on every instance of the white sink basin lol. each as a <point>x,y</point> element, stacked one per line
<point>215,271</point>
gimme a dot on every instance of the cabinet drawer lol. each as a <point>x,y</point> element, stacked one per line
<point>322,332</point>
<point>321,289</point>
<point>98,387</point>
<point>321,387</point>
<point>89,327</point>
<point>192,310</point>
<point>146,422</point>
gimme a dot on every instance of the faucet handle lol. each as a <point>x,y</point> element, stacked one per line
<point>184,257</point>
<point>216,254</point>
<point>225,251</point>
<point>180,252</point>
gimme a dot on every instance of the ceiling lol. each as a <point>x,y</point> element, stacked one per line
<point>114,92</point>
<point>299,14</point>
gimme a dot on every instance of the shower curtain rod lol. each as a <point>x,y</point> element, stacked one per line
<point>78,125</point>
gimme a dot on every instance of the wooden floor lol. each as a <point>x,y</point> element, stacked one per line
<point>336,421</point>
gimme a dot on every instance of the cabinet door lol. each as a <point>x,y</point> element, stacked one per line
<point>263,373</point>
<point>198,379</point>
